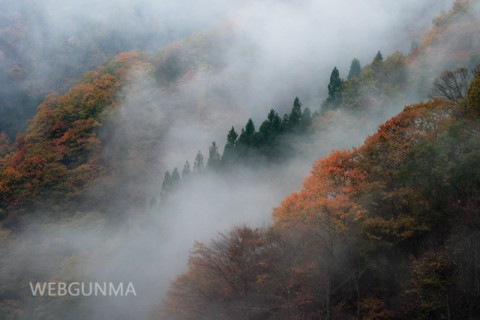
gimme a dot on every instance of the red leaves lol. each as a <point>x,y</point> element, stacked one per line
<point>331,187</point>
<point>224,274</point>
<point>58,156</point>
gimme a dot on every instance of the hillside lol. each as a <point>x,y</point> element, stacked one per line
<point>93,188</point>
<point>385,231</point>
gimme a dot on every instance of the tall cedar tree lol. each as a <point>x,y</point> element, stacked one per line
<point>213,161</point>
<point>199,164</point>
<point>295,114</point>
<point>166,184</point>
<point>275,120</point>
<point>377,63</point>
<point>229,150</point>
<point>355,69</point>
<point>175,177</point>
<point>306,119</point>
<point>334,98</point>
<point>247,136</point>
<point>186,170</point>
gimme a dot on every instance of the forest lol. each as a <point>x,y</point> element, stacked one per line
<point>331,191</point>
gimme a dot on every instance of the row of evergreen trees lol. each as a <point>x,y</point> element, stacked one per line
<point>336,85</point>
<point>268,143</point>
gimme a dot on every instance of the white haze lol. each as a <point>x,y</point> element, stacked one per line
<point>294,46</point>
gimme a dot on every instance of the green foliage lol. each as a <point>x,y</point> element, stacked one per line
<point>389,230</point>
<point>306,119</point>
<point>355,69</point>
<point>473,96</point>
<point>270,143</point>
<point>229,153</point>
<point>375,84</point>
<point>186,170</point>
<point>430,282</point>
<point>213,161</point>
<point>248,135</point>
<point>378,60</point>
<point>166,184</point>
<point>199,164</point>
<point>295,114</point>
<point>175,179</point>
<point>232,137</point>
<point>334,99</point>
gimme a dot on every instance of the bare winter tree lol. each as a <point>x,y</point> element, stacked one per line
<point>452,85</point>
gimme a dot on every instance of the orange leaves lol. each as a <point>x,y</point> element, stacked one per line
<point>58,156</point>
<point>128,58</point>
<point>343,185</point>
<point>329,190</point>
<point>393,229</point>
<point>385,152</point>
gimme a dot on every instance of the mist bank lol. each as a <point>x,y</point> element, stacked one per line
<point>275,51</point>
<point>46,45</point>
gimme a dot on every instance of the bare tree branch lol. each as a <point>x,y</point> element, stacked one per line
<point>452,85</point>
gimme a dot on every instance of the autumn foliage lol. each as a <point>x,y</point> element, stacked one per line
<point>59,154</point>
<point>373,234</point>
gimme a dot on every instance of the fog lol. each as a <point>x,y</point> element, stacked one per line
<point>277,50</point>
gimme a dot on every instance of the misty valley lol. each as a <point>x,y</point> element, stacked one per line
<point>243,160</point>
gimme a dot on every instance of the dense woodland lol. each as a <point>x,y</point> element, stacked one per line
<point>387,230</point>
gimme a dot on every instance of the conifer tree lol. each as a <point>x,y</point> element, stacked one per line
<point>295,114</point>
<point>377,63</point>
<point>186,170</point>
<point>275,121</point>
<point>166,184</point>
<point>250,129</point>
<point>378,58</point>
<point>175,178</point>
<point>285,122</point>
<point>248,134</point>
<point>355,69</point>
<point>229,152</point>
<point>271,115</point>
<point>199,164</point>
<point>213,161</point>
<point>232,137</point>
<point>306,119</point>
<point>334,98</point>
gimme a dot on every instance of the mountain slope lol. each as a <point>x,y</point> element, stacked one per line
<point>59,155</point>
<point>385,231</point>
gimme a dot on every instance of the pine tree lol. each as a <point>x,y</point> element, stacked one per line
<point>186,170</point>
<point>377,63</point>
<point>377,67</point>
<point>247,136</point>
<point>306,120</point>
<point>250,129</point>
<point>229,152</point>
<point>295,114</point>
<point>378,58</point>
<point>198,165</point>
<point>213,157</point>
<point>275,121</point>
<point>166,184</point>
<point>355,69</point>
<point>285,122</point>
<point>271,115</point>
<point>175,178</point>
<point>334,98</point>
<point>232,137</point>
